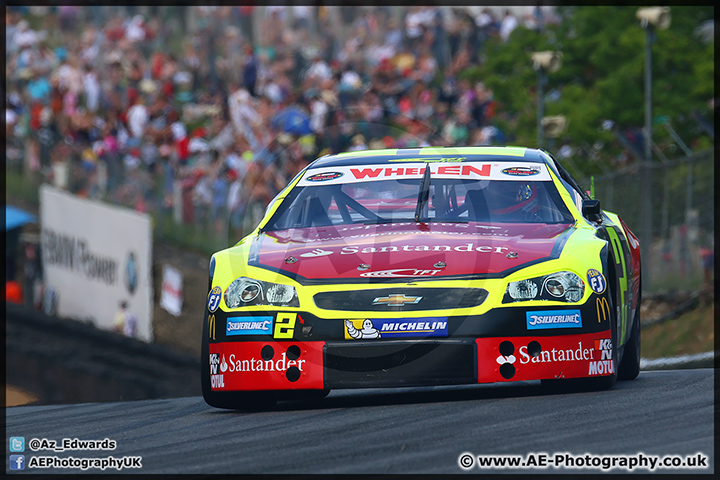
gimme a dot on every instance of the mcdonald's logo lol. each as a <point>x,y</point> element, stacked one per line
<point>602,309</point>
<point>211,326</point>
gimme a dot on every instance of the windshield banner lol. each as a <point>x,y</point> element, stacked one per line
<point>464,171</point>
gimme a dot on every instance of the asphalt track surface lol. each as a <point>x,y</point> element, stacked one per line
<point>409,430</point>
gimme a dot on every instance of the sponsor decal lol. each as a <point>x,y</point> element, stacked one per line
<point>401,272</point>
<point>604,346</point>
<point>605,365</point>
<point>324,177</point>
<point>223,365</point>
<point>214,362</point>
<point>553,355</point>
<point>502,359</point>
<point>596,280</point>
<point>253,364</point>
<point>469,247</point>
<point>444,169</point>
<point>285,325</point>
<point>397,300</point>
<point>371,328</point>
<point>217,381</point>
<point>623,282</point>
<point>521,171</point>
<point>249,326</point>
<point>466,170</point>
<point>603,309</point>
<point>269,364</point>
<point>211,326</point>
<point>553,319</point>
<point>74,254</point>
<point>214,299</point>
<point>366,330</point>
<point>318,252</point>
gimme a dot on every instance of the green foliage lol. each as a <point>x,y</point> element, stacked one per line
<point>691,332</point>
<point>602,76</point>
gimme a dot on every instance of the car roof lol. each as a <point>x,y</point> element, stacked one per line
<point>424,154</point>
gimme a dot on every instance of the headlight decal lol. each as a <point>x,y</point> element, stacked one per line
<point>245,291</point>
<point>561,286</point>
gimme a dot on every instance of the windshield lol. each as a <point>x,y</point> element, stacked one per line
<point>324,199</point>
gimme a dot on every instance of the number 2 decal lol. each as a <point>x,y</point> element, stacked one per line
<point>285,325</point>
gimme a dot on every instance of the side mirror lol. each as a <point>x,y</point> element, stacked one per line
<point>590,207</point>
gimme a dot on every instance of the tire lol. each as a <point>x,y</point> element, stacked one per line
<point>252,401</point>
<point>630,365</point>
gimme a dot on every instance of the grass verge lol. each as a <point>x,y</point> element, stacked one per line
<point>691,332</point>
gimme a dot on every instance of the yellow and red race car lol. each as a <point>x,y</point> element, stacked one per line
<point>427,266</point>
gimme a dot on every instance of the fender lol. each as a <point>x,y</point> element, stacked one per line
<point>625,274</point>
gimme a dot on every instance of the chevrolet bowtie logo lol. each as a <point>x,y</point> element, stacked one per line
<point>396,300</point>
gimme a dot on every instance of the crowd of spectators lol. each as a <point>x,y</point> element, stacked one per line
<point>206,114</point>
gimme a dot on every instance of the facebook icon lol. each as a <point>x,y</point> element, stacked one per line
<point>17,462</point>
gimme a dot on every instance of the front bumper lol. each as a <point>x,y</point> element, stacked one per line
<point>303,365</point>
<point>284,350</point>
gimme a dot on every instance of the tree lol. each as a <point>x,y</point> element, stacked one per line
<point>602,78</point>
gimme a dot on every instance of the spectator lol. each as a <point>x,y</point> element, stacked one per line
<point>250,70</point>
<point>125,321</point>
<point>137,118</point>
<point>113,112</point>
<point>508,24</point>
<point>707,256</point>
<point>318,72</point>
<point>135,31</point>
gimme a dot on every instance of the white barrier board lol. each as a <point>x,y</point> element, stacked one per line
<point>94,256</point>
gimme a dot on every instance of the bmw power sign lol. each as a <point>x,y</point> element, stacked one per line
<point>89,266</point>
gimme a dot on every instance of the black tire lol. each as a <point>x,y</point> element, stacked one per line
<point>630,366</point>
<point>252,401</point>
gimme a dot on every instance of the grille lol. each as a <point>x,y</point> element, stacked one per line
<point>401,299</point>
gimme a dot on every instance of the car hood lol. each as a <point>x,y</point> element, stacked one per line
<point>406,250</point>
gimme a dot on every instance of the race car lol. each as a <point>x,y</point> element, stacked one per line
<point>421,267</point>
